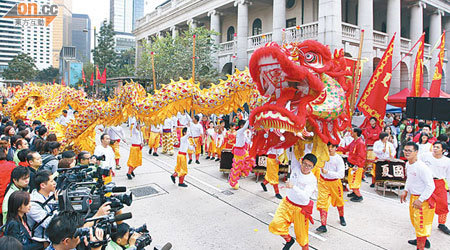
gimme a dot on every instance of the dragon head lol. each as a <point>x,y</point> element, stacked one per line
<point>293,77</point>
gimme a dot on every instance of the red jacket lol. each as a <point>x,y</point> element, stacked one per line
<point>6,167</point>
<point>356,152</point>
<point>371,135</point>
<point>417,138</point>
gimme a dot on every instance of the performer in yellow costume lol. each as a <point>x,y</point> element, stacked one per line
<point>135,158</point>
<point>116,134</point>
<point>297,206</point>
<point>196,133</point>
<point>153,141</point>
<point>330,188</point>
<point>181,167</point>
<point>273,165</point>
<point>420,185</point>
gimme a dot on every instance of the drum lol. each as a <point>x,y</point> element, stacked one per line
<point>390,170</point>
<point>261,164</point>
<point>226,161</point>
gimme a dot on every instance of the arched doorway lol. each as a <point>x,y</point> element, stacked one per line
<point>230,34</point>
<point>404,76</point>
<point>227,68</point>
<point>256,27</point>
<point>426,78</point>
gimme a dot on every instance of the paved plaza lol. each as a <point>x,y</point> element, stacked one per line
<point>208,214</point>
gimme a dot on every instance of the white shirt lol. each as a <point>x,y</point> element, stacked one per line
<point>109,156</point>
<point>220,138</point>
<point>335,167</point>
<point>240,136</point>
<point>115,132</point>
<point>184,143</point>
<point>273,151</point>
<point>419,180</point>
<point>304,185</point>
<point>136,136</point>
<point>196,130</point>
<point>378,148</point>
<point>440,168</point>
<point>63,120</point>
<point>131,120</point>
<point>169,123</point>
<point>183,119</point>
<point>424,148</point>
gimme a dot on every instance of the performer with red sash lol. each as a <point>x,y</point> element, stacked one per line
<point>297,206</point>
<point>440,168</point>
<point>135,158</point>
<point>356,159</point>
<point>273,165</point>
<point>116,133</point>
<point>419,184</point>
<point>181,167</point>
<point>196,134</point>
<point>330,188</point>
<point>154,139</point>
<point>242,162</point>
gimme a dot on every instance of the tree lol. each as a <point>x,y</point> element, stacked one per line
<point>125,63</point>
<point>21,67</point>
<point>173,58</point>
<point>47,75</point>
<point>104,54</point>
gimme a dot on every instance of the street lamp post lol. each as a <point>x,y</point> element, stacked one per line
<point>95,45</point>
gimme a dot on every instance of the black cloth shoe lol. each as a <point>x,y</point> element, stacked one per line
<point>289,244</point>
<point>212,158</point>
<point>444,228</point>
<point>172,178</point>
<point>264,187</point>
<point>357,199</point>
<point>217,159</point>
<point>207,157</point>
<point>197,161</point>
<point>182,185</point>
<point>155,154</point>
<point>150,151</point>
<point>279,196</point>
<point>132,174</point>
<point>372,185</point>
<point>129,177</point>
<point>322,229</point>
<point>351,195</point>
<point>343,223</point>
<point>190,161</point>
<point>414,243</point>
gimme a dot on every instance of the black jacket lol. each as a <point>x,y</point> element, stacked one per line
<point>16,229</point>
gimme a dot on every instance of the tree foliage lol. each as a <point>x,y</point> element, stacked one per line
<point>173,58</point>
<point>125,63</point>
<point>104,54</point>
<point>21,67</point>
<point>47,75</point>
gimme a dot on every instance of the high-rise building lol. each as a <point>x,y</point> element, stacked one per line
<point>124,41</point>
<point>121,15</point>
<point>81,36</point>
<point>62,29</point>
<point>138,10</point>
<point>37,42</point>
<point>10,36</point>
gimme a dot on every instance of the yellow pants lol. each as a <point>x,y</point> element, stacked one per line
<point>197,145</point>
<point>272,171</point>
<point>287,214</point>
<point>354,179</point>
<point>330,193</point>
<point>145,133</point>
<point>135,159</point>
<point>422,218</point>
<point>115,148</point>
<point>181,167</point>
<point>153,141</point>
<point>212,147</point>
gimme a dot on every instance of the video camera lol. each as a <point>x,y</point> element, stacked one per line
<point>145,239</point>
<point>80,173</point>
<point>99,157</point>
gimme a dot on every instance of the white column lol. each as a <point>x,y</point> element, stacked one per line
<point>215,25</point>
<point>447,65</point>
<point>330,23</point>
<point>435,37</point>
<point>416,21</point>
<point>192,23</point>
<point>174,31</point>
<point>242,33</point>
<point>365,22</point>
<point>279,20</point>
<point>393,26</point>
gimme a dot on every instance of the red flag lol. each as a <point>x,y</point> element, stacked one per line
<point>62,82</point>
<point>103,78</point>
<point>435,89</point>
<point>53,81</point>
<point>98,73</point>
<point>416,89</point>
<point>83,77</point>
<point>374,98</point>
<point>92,79</point>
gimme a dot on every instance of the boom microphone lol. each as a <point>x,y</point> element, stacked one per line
<point>122,217</point>
<point>167,246</point>
<point>119,189</point>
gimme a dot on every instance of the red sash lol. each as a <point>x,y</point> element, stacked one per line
<point>306,210</point>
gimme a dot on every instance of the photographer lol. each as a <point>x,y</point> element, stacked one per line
<point>63,234</point>
<point>49,160</point>
<point>20,177</point>
<point>105,150</point>
<point>121,239</point>
<point>41,211</point>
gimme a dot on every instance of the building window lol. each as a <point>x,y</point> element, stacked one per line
<point>290,4</point>
<point>291,22</point>
<point>257,27</point>
<point>230,34</point>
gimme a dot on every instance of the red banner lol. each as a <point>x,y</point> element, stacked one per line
<point>435,89</point>
<point>98,73</point>
<point>416,89</point>
<point>83,77</point>
<point>92,79</point>
<point>103,78</point>
<point>374,98</point>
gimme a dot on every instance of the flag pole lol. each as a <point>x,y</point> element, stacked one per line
<point>193,60</point>
<point>153,69</point>
<point>356,74</point>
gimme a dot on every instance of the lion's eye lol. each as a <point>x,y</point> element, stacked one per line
<point>310,57</point>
